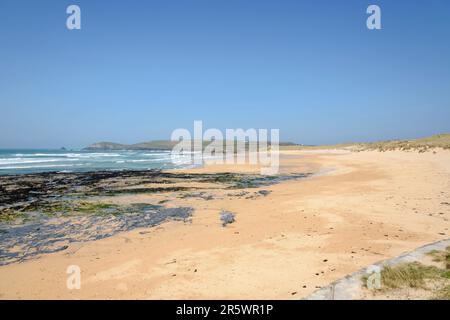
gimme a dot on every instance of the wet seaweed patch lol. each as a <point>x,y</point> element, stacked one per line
<point>65,208</point>
<point>58,208</point>
<point>241,181</point>
<point>9,215</point>
<point>115,192</point>
<point>246,181</point>
<point>44,212</point>
<point>48,234</point>
<point>33,192</point>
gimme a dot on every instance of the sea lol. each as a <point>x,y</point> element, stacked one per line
<point>18,161</point>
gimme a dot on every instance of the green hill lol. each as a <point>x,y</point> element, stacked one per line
<point>150,145</point>
<point>154,145</point>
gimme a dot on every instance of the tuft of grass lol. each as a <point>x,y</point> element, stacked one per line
<point>441,256</point>
<point>443,294</point>
<point>416,275</point>
<point>412,275</point>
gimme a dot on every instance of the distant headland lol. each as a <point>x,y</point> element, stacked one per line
<point>149,145</point>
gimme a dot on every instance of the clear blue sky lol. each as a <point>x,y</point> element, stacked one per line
<point>139,69</point>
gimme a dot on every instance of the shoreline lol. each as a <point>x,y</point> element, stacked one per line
<point>276,248</point>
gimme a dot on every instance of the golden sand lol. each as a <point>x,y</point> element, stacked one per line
<point>362,208</point>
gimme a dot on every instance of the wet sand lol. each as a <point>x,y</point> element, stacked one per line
<point>286,242</point>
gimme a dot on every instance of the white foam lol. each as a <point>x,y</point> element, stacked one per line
<point>157,154</point>
<point>92,160</point>
<point>34,167</point>
<point>31,160</point>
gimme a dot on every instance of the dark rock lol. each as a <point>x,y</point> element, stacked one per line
<point>264,192</point>
<point>226,218</point>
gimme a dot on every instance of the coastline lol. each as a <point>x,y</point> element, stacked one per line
<point>302,235</point>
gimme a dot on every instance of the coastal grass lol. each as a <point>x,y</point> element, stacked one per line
<point>416,275</point>
<point>76,193</point>
<point>441,256</point>
<point>319,147</point>
<point>420,145</point>
<point>442,294</point>
<point>412,275</point>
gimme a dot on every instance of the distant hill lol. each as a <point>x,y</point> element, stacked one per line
<point>149,145</point>
<point>422,144</point>
<point>106,146</point>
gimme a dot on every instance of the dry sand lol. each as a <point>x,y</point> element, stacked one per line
<point>362,208</point>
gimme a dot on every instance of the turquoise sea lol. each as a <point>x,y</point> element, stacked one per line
<point>17,161</point>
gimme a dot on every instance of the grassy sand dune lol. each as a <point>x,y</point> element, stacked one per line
<point>421,145</point>
<point>428,278</point>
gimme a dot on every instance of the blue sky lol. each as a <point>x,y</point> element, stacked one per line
<point>139,69</point>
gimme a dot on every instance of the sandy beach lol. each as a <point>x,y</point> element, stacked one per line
<point>298,236</point>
